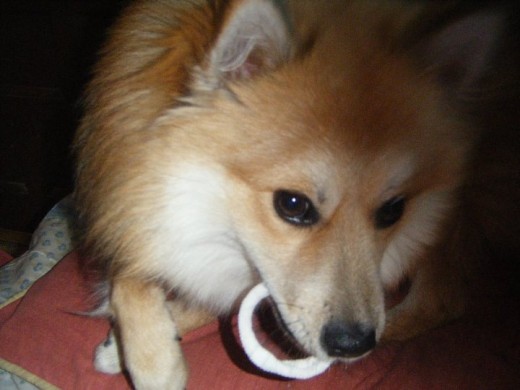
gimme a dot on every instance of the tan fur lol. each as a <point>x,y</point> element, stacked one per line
<point>336,104</point>
<point>153,366</point>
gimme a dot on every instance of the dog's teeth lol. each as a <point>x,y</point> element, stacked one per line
<point>262,358</point>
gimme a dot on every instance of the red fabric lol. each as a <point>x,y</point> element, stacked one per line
<point>4,257</point>
<point>41,335</point>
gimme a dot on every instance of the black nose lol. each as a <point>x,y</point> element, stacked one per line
<point>343,340</point>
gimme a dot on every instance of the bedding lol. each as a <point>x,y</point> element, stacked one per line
<point>53,238</point>
<point>45,344</point>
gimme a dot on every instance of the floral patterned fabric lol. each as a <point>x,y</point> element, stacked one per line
<point>51,241</point>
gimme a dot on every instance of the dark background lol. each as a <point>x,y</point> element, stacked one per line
<point>47,48</point>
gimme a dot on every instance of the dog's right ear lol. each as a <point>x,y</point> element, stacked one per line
<point>459,51</point>
<point>254,38</point>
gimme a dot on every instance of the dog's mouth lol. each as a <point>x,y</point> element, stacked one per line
<point>284,344</point>
<point>276,351</point>
<point>272,323</point>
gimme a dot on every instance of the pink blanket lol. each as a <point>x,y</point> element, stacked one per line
<point>42,341</point>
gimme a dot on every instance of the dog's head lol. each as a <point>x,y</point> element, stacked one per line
<point>327,153</point>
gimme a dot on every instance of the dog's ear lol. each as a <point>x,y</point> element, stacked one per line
<point>254,38</point>
<point>460,50</point>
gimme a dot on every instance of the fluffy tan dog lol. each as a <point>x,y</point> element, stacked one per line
<point>320,147</point>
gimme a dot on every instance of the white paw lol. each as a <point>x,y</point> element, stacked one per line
<point>106,356</point>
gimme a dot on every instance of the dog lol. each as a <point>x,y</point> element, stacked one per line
<point>323,148</point>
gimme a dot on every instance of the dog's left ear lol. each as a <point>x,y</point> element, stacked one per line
<point>253,39</point>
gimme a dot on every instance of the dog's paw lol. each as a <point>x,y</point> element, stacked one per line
<point>106,356</point>
<point>165,371</point>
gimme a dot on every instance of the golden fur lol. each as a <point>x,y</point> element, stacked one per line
<point>194,119</point>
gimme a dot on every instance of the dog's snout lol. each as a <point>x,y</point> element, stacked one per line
<point>340,339</point>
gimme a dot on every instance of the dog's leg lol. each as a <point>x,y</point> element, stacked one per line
<point>187,318</point>
<point>107,357</point>
<point>148,335</point>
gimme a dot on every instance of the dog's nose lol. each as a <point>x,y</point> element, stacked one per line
<point>340,339</point>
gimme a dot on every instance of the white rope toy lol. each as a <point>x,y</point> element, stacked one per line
<point>262,358</point>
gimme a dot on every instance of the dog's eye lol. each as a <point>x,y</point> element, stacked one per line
<point>295,208</point>
<point>390,212</point>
